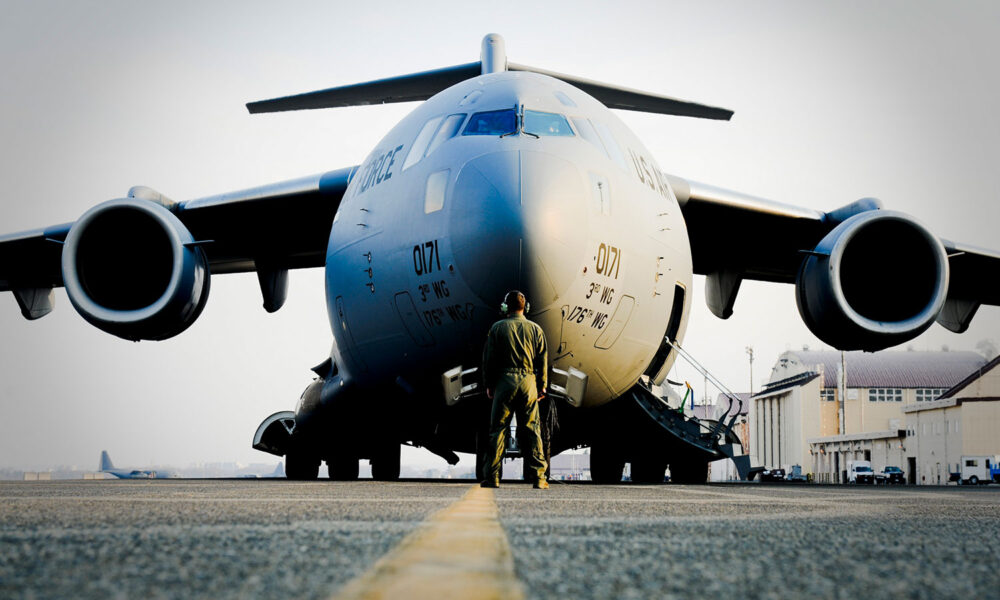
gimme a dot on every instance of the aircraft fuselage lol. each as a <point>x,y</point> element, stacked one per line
<point>456,205</point>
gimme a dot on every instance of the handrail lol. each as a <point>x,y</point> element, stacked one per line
<point>704,372</point>
<point>701,426</point>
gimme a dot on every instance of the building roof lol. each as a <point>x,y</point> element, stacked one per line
<point>881,369</point>
<point>946,403</point>
<point>773,387</point>
<point>858,437</point>
<point>961,385</point>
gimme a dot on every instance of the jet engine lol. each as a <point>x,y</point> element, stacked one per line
<point>878,279</point>
<point>132,269</point>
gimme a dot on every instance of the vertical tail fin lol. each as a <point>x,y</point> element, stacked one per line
<point>106,461</point>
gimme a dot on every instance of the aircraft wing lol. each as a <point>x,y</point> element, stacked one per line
<point>32,258</point>
<point>275,227</point>
<point>285,225</point>
<point>735,236</point>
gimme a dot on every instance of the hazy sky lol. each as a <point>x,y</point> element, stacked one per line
<point>833,102</point>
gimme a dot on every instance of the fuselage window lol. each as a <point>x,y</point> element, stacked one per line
<point>587,132</point>
<point>447,131</point>
<point>614,151</point>
<point>543,123</point>
<point>420,144</point>
<point>494,122</point>
<point>437,185</point>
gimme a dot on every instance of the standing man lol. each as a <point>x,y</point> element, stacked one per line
<point>515,372</point>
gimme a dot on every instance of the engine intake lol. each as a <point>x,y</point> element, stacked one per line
<point>130,269</point>
<point>878,279</point>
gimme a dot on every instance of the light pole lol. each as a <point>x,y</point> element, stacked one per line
<point>754,443</point>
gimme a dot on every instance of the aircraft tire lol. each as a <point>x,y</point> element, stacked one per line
<point>689,471</point>
<point>342,467</point>
<point>301,466</point>
<point>606,465</point>
<point>649,470</point>
<point>385,465</point>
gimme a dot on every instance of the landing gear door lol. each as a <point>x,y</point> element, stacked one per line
<point>275,433</point>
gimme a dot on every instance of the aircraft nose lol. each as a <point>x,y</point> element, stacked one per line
<point>518,220</point>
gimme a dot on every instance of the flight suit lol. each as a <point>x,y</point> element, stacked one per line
<point>515,367</point>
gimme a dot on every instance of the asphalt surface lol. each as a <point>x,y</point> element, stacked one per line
<point>265,539</point>
<point>755,541</point>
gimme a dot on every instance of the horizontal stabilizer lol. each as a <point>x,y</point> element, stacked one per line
<point>421,86</point>
<point>624,98</point>
<point>405,88</point>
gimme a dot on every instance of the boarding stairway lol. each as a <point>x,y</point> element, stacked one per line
<point>701,439</point>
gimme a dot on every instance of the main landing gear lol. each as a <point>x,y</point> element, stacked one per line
<point>303,465</point>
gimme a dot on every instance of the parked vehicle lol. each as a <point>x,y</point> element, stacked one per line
<point>860,471</point>
<point>796,474</point>
<point>890,475</point>
<point>772,475</point>
<point>977,469</point>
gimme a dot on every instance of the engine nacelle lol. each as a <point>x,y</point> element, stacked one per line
<point>131,269</point>
<point>878,279</point>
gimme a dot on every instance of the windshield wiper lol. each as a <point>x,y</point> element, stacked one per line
<point>520,123</point>
<point>517,124</point>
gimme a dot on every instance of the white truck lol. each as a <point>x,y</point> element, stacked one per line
<point>860,471</point>
<point>974,470</point>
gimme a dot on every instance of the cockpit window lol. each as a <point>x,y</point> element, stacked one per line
<point>447,131</point>
<point>543,123</point>
<point>420,143</point>
<point>587,132</point>
<point>614,151</point>
<point>431,136</point>
<point>494,122</point>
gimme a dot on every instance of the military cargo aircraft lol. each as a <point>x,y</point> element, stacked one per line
<point>106,466</point>
<point>505,176</point>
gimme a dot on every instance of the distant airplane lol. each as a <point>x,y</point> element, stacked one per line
<point>506,177</point>
<point>107,467</point>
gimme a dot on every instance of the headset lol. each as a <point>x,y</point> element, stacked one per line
<point>504,309</point>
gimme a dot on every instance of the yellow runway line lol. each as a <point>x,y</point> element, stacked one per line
<point>458,552</point>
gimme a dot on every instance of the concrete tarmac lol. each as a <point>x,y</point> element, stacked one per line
<point>275,538</point>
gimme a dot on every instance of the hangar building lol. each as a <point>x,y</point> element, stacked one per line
<point>795,419</point>
<point>963,422</point>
